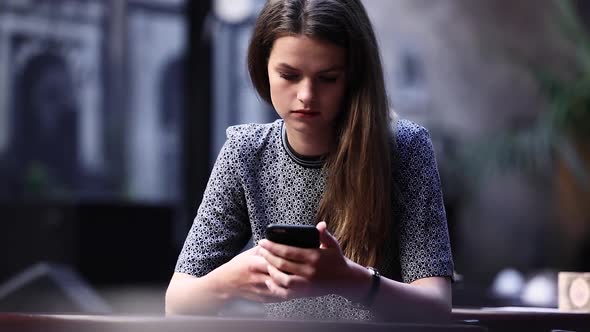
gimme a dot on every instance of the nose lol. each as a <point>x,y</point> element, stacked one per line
<point>305,93</point>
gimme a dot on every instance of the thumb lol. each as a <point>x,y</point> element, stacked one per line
<point>327,240</point>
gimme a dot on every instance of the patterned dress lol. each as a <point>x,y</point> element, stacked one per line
<point>258,180</point>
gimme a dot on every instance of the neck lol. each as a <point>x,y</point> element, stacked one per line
<point>310,144</point>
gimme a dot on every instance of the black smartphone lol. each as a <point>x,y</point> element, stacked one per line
<point>302,236</point>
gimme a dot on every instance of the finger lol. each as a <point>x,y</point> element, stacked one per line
<point>327,240</point>
<point>258,265</point>
<point>258,290</point>
<point>287,268</point>
<point>277,290</point>
<point>280,263</point>
<point>279,277</point>
<point>294,286</point>
<point>258,279</point>
<point>293,254</point>
<point>298,286</point>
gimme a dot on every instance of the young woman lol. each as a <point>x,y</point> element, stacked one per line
<point>335,160</point>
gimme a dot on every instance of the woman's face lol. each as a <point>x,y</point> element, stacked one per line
<point>307,83</point>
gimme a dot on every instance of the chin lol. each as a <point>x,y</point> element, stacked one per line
<point>311,130</point>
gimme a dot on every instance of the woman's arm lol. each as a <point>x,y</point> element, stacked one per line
<point>242,277</point>
<point>187,294</point>
<point>423,300</point>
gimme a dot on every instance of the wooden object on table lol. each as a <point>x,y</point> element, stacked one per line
<point>574,291</point>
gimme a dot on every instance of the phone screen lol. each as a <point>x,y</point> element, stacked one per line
<point>302,236</point>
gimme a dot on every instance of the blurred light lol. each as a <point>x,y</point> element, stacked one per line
<point>541,291</point>
<point>508,283</point>
<point>233,11</point>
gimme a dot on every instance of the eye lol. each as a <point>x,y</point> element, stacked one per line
<point>328,79</point>
<point>289,77</point>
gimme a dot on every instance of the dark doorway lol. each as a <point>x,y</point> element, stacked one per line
<point>45,126</point>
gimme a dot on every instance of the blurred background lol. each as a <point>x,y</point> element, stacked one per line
<point>112,113</point>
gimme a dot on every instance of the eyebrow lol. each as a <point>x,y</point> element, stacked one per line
<point>329,69</point>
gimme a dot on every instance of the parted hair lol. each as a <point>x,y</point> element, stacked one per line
<point>357,201</point>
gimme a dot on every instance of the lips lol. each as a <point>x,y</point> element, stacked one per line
<point>305,112</point>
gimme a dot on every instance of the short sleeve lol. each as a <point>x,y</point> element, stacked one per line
<point>425,249</point>
<point>221,228</point>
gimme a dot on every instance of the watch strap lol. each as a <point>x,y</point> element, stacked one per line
<point>375,283</point>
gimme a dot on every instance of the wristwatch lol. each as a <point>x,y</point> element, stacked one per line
<point>375,283</point>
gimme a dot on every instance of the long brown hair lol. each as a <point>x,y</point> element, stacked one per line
<point>357,201</point>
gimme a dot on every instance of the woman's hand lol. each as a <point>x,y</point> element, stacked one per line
<point>297,272</point>
<point>244,276</point>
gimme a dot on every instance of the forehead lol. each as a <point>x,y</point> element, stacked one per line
<point>305,53</point>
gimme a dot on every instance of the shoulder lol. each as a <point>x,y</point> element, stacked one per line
<point>410,139</point>
<point>252,131</point>
<point>253,136</point>
<point>409,134</point>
